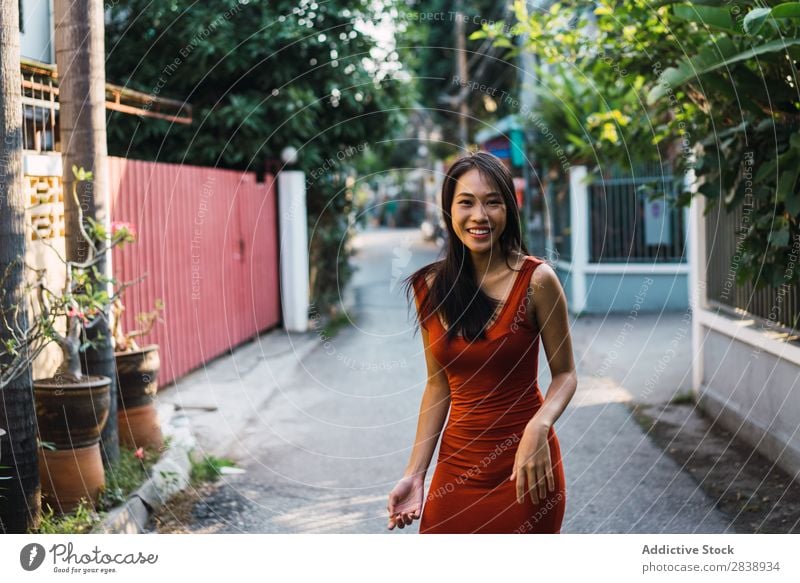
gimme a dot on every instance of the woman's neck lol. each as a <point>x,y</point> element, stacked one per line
<point>489,263</point>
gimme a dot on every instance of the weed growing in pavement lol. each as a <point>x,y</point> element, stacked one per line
<point>207,469</point>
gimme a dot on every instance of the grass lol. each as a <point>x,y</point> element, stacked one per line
<point>176,515</point>
<point>686,398</point>
<point>81,521</point>
<point>207,468</point>
<point>125,475</point>
<point>331,322</point>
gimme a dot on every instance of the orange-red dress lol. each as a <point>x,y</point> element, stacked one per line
<point>494,392</point>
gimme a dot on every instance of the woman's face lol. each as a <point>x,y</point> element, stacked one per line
<point>478,211</point>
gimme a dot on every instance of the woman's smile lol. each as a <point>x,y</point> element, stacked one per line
<point>480,234</point>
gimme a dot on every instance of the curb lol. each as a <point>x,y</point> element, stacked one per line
<point>168,476</point>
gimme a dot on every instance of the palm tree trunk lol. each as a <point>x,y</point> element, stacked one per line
<point>20,496</point>
<point>80,60</point>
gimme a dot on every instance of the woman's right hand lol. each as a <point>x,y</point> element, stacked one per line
<point>405,501</point>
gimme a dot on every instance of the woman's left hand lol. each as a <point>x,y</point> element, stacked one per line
<point>532,463</point>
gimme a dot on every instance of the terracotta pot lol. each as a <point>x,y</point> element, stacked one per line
<point>72,414</point>
<point>140,427</point>
<point>137,374</point>
<point>69,475</point>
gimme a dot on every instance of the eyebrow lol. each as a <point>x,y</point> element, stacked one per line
<point>470,194</point>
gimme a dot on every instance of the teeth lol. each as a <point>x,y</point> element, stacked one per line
<point>479,231</point>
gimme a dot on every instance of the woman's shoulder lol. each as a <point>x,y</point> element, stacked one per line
<point>544,275</point>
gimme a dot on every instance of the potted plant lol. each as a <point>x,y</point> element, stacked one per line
<point>71,407</point>
<point>137,379</point>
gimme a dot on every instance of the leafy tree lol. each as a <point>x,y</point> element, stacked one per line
<point>261,76</point>
<point>429,28</point>
<point>715,91</point>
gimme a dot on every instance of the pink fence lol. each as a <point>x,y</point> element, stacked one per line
<point>207,241</point>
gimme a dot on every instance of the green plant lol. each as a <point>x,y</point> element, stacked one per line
<point>742,77</point>
<point>719,97</point>
<point>334,324</point>
<point>84,300</point>
<point>686,398</point>
<point>207,468</point>
<point>125,475</point>
<point>79,522</point>
<point>574,121</point>
<point>82,303</point>
<point>594,67</point>
<point>330,202</point>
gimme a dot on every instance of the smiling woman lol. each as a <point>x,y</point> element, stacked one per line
<point>499,466</point>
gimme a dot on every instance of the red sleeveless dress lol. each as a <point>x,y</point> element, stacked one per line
<point>494,392</point>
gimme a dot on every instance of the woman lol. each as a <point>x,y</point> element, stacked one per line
<point>499,465</point>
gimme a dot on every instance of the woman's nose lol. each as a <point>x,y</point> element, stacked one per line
<point>479,212</point>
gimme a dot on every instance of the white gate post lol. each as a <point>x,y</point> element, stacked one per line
<point>579,235</point>
<point>698,270</point>
<point>293,249</point>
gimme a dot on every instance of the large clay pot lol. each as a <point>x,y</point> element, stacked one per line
<point>140,427</point>
<point>69,475</point>
<point>72,414</point>
<point>137,374</point>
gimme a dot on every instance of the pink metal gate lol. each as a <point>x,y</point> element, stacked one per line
<point>207,240</point>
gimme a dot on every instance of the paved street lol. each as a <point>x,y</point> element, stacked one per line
<point>324,428</point>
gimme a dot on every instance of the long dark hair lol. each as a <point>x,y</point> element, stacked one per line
<point>455,293</point>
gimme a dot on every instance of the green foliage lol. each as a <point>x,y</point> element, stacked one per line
<point>81,521</point>
<point>708,86</point>
<point>685,398</point>
<point>207,468</point>
<point>575,122</point>
<point>81,174</point>
<point>329,229</point>
<point>742,78</point>
<point>129,472</point>
<point>333,325</point>
<point>261,76</point>
<point>428,31</point>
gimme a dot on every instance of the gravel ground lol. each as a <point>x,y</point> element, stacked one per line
<point>757,494</point>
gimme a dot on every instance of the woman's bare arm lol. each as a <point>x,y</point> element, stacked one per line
<point>432,414</point>
<point>550,310</point>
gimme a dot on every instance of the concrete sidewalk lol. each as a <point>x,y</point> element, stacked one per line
<point>218,400</point>
<point>325,430</point>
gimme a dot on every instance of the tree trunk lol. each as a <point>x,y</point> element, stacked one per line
<point>80,61</point>
<point>20,497</point>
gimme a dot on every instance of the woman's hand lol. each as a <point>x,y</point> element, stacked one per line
<point>405,501</point>
<point>533,464</point>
